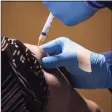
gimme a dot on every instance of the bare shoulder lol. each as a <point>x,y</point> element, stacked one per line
<point>63,98</point>
<point>81,104</point>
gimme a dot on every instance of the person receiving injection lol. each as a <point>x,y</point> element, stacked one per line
<point>86,69</point>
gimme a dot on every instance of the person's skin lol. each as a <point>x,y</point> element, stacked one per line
<point>63,97</point>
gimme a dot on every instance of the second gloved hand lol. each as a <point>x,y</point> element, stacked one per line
<point>86,69</point>
<point>73,12</point>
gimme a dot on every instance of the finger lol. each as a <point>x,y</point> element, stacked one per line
<point>54,61</point>
<point>52,48</point>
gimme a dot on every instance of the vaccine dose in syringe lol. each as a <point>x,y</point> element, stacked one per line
<point>45,29</point>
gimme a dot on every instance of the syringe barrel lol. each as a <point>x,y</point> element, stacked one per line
<point>47,25</point>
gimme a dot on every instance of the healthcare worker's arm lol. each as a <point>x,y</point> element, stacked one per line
<point>74,12</point>
<point>86,68</point>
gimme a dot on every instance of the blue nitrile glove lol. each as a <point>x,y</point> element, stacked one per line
<point>73,12</point>
<point>66,53</point>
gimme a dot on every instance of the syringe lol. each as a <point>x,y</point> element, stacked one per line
<point>46,28</point>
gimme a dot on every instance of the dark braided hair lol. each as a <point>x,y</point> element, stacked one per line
<point>24,88</point>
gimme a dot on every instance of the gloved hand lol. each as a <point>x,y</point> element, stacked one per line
<point>73,12</point>
<point>86,69</point>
